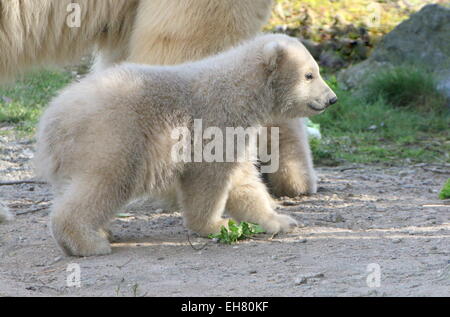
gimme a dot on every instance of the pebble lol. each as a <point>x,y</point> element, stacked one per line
<point>304,278</point>
<point>301,280</point>
<point>335,217</point>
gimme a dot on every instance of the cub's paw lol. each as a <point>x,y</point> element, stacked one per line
<point>210,228</point>
<point>83,244</point>
<point>280,223</point>
<point>297,187</point>
<point>107,233</point>
<point>293,184</point>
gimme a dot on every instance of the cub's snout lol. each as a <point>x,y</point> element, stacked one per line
<point>332,101</point>
<point>324,101</point>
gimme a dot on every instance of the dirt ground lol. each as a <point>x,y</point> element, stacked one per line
<point>363,217</point>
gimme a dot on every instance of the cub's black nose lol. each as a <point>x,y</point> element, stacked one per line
<point>333,101</point>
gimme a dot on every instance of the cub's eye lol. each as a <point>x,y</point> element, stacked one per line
<point>309,76</point>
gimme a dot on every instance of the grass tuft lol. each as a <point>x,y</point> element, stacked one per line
<point>445,192</point>
<point>21,104</point>
<point>364,130</point>
<point>406,86</point>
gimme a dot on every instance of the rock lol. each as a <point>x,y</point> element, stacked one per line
<point>331,59</point>
<point>335,218</point>
<point>313,47</point>
<point>305,278</point>
<point>423,39</point>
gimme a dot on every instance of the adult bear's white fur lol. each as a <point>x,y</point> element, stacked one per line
<point>106,140</point>
<point>145,31</point>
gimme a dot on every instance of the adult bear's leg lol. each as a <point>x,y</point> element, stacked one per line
<point>295,175</point>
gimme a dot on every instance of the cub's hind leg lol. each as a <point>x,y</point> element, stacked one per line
<point>203,192</point>
<point>82,212</point>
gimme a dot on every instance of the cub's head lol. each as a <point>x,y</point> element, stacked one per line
<point>298,88</point>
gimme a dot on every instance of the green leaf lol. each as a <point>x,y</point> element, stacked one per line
<point>236,232</point>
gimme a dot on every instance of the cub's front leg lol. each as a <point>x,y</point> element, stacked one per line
<point>202,193</point>
<point>249,200</point>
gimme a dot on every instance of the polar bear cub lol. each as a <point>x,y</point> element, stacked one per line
<point>108,139</point>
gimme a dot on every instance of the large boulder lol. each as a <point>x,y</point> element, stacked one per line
<point>423,40</point>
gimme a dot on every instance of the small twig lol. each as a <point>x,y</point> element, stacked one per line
<point>60,268</point>
<point>288,203</point>
<point>349,168</point>
<point>31,210</point>
<point>44,286</point>
<point>435,170</point>
<point>13,183</point>
<point>260,239</point>
<point>125,264</point>
<point>31,203</point>
<point>192,246</point>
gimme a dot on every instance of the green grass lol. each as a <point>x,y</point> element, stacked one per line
<point>236,232</point>
<point>406,86</point>
<point>21,104</point>
<point>445,192</point>
<point>372,130</point>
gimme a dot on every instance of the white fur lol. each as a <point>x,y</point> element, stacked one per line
<point>107,139</point>
<point>34,33</point>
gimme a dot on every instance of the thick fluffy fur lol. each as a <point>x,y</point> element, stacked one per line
<point>157,32</point>
<point>106,140</point>
<point>145,31</point>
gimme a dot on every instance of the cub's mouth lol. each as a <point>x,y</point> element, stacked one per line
<point>315,108</point>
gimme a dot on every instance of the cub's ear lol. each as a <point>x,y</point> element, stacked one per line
<point>273,53</point>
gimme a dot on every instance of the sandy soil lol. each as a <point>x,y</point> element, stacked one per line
<point>388,216</point>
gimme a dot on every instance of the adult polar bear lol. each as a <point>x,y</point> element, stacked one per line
<point>143,31</point>
<point>162,32</point>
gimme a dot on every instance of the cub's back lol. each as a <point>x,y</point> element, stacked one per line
<point>109,120</point>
